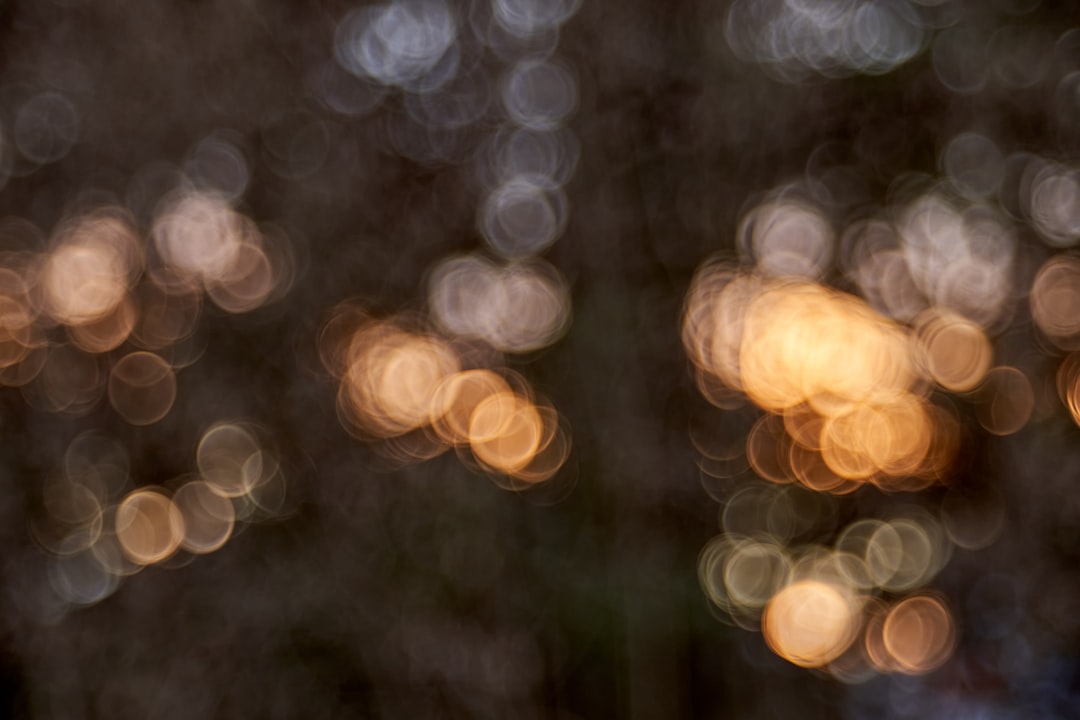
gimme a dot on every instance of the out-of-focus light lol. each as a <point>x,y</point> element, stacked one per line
<point>81,578</point>
<point>787,239</point>
<point>767,449</point>
<point>391,379</point>
<point>755,572</point>
<point>19,333</point>
<point>519,308</point>
<point>905,553</point>
<point>200,236</point>
<point>94,262</point>
<point>1006,401</point>
<point>844,382</point>
<point>876,262</point>
<point>457,398</point>
<point>1054,205</point>
<point>523,216</point>
<point>208,517</point>
<point>961,261</point>
<point>539,94</point>
<point>230,459</point>
<point>551,156</point>
<point>1068,384</point>
<point>505,432</point>
<point>956,351</point>
<point>528,17</point>
<point>810,623</point>
<point>713,320</point>
<point>107,332</point>
<point>1055,301</point>
<point>142,388</point>
<point>149,527</point>
<point>804,343</point>
<point>398,43</point>
<point>918,634</point>
<point>793,39</point>
<point>217,164</point>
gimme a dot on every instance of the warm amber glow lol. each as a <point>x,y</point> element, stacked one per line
<point>956,351</point>
<point>505,432</point>
<point>918,634</point>
<point>804,343</point>
<point>95,260</point>
<point>457,398</point>
<point>108,331</point>
<point>391,379</point>
<point>148,526</point>
<point>1055,301</point>
<point>713,320</point>
<point>810,623</point>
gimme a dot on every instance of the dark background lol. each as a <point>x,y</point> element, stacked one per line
<point>424,590</point>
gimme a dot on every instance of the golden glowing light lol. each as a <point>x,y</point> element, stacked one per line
<point>713,320</point>
<point>391,379</point>
<point>956,351</point>
<point>149,527</point>
<point>406,388</point>
<point>1055,301</point>
<point>108,331</point>
<point>89,271</point>
<point>505,432</point>
<point>804,343</point>
<point>918,634</point>
<point>810,623</point>
<point>457,398</point>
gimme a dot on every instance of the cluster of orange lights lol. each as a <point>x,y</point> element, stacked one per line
<point>847,390</point>
<point>127,312</point>
<point>821,607</point>
<point>411,389</point>
<point>99,530</point>
<point>854,397</point>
